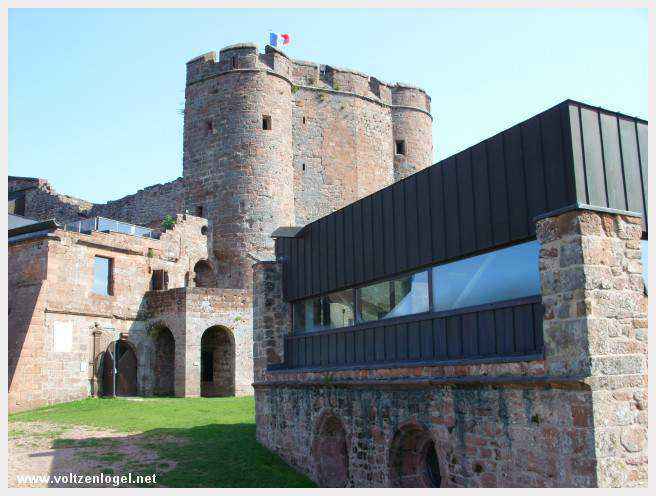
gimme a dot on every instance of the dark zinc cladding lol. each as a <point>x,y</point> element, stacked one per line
<point>501,275</point>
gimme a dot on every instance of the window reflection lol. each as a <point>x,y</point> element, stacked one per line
<point>500,275</point>
<point>325,312</point>
<point>403,296</point>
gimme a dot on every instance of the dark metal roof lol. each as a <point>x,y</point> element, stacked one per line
<point>570,156</point>
<point>287,232</point>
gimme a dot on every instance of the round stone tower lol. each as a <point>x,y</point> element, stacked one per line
<point>412,129</point>
<point>237,162</point>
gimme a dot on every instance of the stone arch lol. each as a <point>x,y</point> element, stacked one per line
<point>330,449</point>
<point>204,274</point>
<point>217,360</point>
<point>162,360</point>
<point>120,355</point>
<point>414,459</point>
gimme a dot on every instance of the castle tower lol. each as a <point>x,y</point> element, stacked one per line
<point>237,163</point>
<point>270,141</point>
<point>412,125</point>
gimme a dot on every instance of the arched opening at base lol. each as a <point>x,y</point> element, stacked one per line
<point>163,362</point>
<point>217,362</point>
<point>119,380</point>
<point>330,452</point>
<point>413,459</point>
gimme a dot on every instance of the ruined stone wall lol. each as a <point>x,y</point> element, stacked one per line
<point>576,418</point>
<point>147,207</point>
<point>50,288</point>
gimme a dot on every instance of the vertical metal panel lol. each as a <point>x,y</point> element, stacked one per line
<point>349,276</point>
<point>481,186</point>
<point>350,348</point>
<point>411,219</point>
<point>470,335</point>
<point>308,252</point>
<point>454,336</point>
<point>390,343</point>
<point>466,202</point>
<point>516,184</point>
<point>360,346</point>
<point>593,157</point>
<point>555,158</point>
<point>452,231</point>
<point>340,264</point>
<point>498,189</point>
<point>379,343</point>
<point>414,341</point>
<point>323,254</point>
<point>643,145</point>
<point>523,328</point>
<point>576,151</point>
<point>631,160</point>
<point>358,246</point>
<point>486,333</point>
<point>534,170</point>
<point>538,321</point>
<point>505,331</point>
<point>331,253</point>
<point>341,348</point>
<point>401,342</point>
<point>400,248</point>
<point>437,213</point>
<point>612,161</point>
<point>369,345</point>
<point>300,270</point>
<point>367,238</point>
<point>427,344</point>
<point>424,216</point>
<point>439,338</point>
<point>378,243</point>
<point>388,230</point>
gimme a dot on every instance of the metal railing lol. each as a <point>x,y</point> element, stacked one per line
<point>103,224</point>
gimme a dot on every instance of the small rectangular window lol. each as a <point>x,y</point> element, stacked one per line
<point>199,210</point>
<point>102,276</point>
<point>266,123</point>
<point>400,147</point>
<point>235,62</point>
<point>159,280</point>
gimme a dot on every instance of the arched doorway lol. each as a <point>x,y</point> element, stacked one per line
<point>119,380</point>
<point>203,275</point>
<point>217,362</point>
<point>163,362</point>
<point>413,460</point>
<point>330,452</point>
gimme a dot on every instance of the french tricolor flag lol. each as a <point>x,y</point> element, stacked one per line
<point>277,40</point>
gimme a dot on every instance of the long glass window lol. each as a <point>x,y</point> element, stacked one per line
<point>403,296</point>
<point>325,312</point>
<point>499,275</point>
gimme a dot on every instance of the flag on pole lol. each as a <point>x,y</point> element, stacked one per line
<point>278,40</point>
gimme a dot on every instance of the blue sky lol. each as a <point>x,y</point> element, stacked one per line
<point>94,95</point>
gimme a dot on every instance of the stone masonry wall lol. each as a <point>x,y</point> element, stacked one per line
<point>577,418</point>
<point>50,281</point>
<point>595,326</point>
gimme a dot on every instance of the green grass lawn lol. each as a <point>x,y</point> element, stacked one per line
<point>211,439</point>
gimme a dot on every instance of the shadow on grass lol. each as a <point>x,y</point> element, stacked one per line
<point>213,455</point>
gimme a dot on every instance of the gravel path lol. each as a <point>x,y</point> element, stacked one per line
<point>45,449</point>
